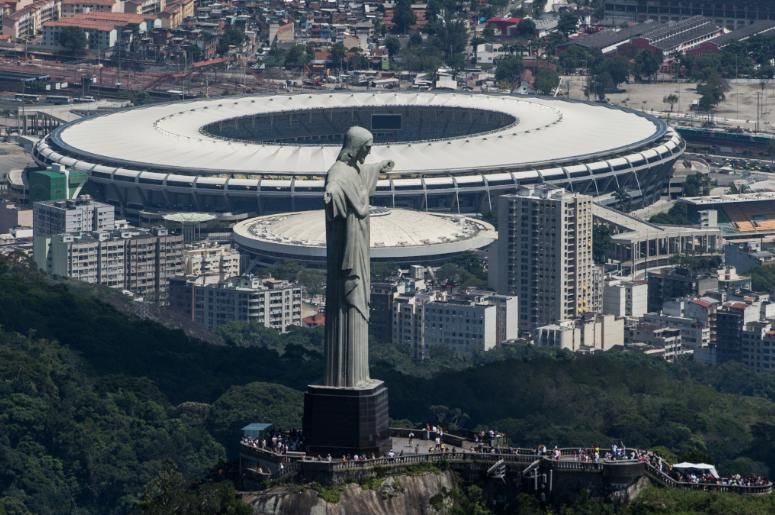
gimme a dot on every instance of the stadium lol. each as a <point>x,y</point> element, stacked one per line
<point>397,236</point>
<point>268,154</point>
<point>741,217</point>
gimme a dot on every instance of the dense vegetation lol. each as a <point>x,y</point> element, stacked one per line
<point>763,278</point>
<point>116,403</point>
<point>71,440</point>
<point>677,215</point>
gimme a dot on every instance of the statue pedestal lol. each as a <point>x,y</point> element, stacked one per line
<point>341,421</point>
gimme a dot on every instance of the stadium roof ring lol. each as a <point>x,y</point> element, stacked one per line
<point>456,152</point>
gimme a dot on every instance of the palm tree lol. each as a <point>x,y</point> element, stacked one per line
<point>671,99</point>
<point>623,198</point>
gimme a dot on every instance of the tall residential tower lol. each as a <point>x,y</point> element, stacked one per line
<point>544,254</point>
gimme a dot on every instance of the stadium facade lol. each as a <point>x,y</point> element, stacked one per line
<point>453,152</point>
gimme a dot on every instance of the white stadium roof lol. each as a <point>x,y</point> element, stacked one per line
<point>169,136</point>
<point>395,233</point>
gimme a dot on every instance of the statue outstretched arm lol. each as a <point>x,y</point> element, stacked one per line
<point>374,171</point>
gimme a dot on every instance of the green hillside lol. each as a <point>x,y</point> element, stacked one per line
<point>97,405</point>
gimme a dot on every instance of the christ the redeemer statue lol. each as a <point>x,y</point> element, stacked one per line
<point>349,184</point>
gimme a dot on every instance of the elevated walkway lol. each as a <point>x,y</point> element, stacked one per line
<point>522,465</point>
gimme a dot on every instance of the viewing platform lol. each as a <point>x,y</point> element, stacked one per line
<point>549,473</point>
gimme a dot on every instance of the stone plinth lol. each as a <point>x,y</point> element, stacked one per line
<point>341,421</point>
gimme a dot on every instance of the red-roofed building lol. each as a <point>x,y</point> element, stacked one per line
<point>101,28</point>
<point>316,320</point>
<point>99,34</point>
<point>503,25</point>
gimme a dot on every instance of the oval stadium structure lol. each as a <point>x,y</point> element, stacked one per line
<point>397,236</point>
<point>453,152</point>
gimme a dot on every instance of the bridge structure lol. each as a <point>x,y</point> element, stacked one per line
<point>559,473</point>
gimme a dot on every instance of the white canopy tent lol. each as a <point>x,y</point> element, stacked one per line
<point>697,466</point>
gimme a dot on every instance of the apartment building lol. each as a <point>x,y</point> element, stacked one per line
<point>270,302</point>
<point>138,260</point>
<point>79,215</point>
<point>544,254</point>
<point>473,321</point>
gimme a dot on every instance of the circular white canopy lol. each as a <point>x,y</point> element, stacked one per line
<point>168,136</point>
<point>398,233</point>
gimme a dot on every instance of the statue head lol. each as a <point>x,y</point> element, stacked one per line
<point>357,145</point>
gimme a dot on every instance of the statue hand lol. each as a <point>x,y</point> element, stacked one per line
<point>386,166</point>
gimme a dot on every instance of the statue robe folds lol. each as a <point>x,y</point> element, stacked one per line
<point>348,273</point>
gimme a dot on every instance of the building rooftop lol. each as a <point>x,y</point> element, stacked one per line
<point>399,232</point>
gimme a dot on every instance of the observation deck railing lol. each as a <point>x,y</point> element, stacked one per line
<point>569,460</point>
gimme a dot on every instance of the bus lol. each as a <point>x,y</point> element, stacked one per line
<point>59,99</point>
<point>27,98</point>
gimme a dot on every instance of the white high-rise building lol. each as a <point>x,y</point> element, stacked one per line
<point>544,254</point>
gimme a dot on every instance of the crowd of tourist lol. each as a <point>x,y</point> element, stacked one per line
<point>279,442</point>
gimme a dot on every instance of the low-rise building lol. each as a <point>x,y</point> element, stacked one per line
<point>270,302</point>
<point>469,322</point>
<point>625,298</point>
<point>594,332</point>
<point>210,260</point>
<point>662,341</point>
<point>73,7</point>
<point>694,334</point>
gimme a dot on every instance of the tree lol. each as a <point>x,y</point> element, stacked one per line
<point>338,53</point>
<point>711,92</point>
<point>196,53</point>
<point>697,184</point>
<point>509,69</point>
<point>671,100</point>
<point>623,198</point>
<point>647,63</point>
<point>230,37</point>
<point>393,46</point>
<point>546,81</point>
<point>403,16</point>
<point>601,243</point>
<point>618,68</point>
<point>296,57</point>
<point>567,23</point>
<point>253,402</point>
<point>73,40</point>
<point>526,28</point>
<point>357,60</point>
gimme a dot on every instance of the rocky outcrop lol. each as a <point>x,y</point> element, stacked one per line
<point>422,494</point>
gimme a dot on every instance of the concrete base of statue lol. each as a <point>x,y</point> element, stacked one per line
<point>340,421</point>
